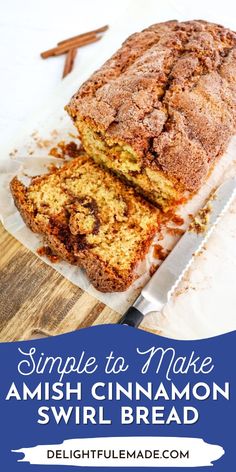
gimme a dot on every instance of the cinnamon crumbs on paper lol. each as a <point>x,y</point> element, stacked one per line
<point>177,220</point>
<point>45,251</point>
<point>153,269</point>
<point>159,252</point>
<point>200,221</point>
<point>175,231</point>
<point>171,217</point>
<point>63,150</point>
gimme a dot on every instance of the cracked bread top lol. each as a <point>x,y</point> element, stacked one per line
<point>170,93</point>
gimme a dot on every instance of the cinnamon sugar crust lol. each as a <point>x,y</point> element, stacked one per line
<point>161,111</point>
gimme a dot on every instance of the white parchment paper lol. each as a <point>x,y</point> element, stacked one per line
<point>204,303</point>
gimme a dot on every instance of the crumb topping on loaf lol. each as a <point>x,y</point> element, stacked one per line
<point>166,101</point>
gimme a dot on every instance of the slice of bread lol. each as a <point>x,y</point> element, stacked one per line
<point>91,219</point>
<point>161,111</point>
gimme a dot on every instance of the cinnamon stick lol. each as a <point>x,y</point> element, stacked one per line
<point>82,35</point>
<point>70,45</point>
<point>69,62</point>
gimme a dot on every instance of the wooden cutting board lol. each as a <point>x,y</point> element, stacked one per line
<point>36,301</point>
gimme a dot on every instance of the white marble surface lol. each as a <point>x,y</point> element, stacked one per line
<point>27,27</point>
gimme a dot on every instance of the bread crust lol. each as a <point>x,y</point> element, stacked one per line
<point>170,93</point>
